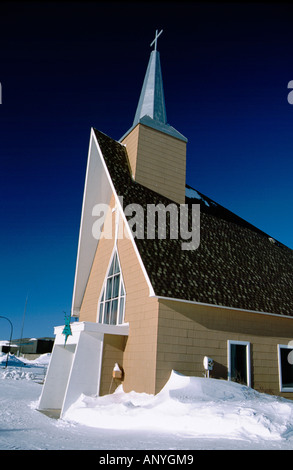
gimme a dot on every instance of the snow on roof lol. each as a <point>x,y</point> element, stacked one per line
<point>5,342</point>
<point>193,194</point>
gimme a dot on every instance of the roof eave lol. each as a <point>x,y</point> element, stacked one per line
<point>158,126</point>
<point>203,304</point>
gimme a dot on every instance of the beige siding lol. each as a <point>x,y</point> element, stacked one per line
<point>188,332</point>
<point>158,161</point>
<point>88,310</point>
<point>141,311</point>
<point>131,142</point>
<point>166,335</point>
<point>113,350</point>
<point>142,314</point>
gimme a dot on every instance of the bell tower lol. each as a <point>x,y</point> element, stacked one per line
<point>156,151</point>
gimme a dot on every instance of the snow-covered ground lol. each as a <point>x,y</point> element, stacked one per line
<point>190,413</point>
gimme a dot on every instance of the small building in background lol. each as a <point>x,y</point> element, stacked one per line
<point>28,346</point>
<point>4,347</point>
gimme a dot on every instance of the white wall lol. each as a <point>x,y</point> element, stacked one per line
<point>57,377</point>
<point>75,368</point>
<point>86,368</point>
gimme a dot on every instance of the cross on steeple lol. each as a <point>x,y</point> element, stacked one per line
<point>151,108</point>
<point>155,40</point>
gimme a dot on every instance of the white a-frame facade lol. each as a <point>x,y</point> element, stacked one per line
<point>75,367</point>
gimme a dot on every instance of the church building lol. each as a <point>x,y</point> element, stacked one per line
<point>214,298</point>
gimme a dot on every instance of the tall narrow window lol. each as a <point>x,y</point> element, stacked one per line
<point>239,362</point>
<point>112,302</point>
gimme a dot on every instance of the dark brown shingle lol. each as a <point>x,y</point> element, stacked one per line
<point>236,264</point>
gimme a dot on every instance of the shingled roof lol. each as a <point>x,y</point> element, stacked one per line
<point>236,264</point>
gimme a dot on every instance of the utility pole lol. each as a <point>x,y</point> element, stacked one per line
<point>11,331</point>
<point>23,318</point>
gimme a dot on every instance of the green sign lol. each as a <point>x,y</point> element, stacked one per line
<point>67,328</point>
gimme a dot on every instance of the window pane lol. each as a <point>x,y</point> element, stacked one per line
<point>107,313</point>
<point>112,303</point>
<point>122,288</point>
<point>121,310</point>
<point>287,368</point>
<point>112,266</point>
<point>116,265</point>
<point>238,363</point>
<point>114,307</point>
<point>102,299</point>
<point>101,313</point>
<point>116,280</point>
<point>109,288</point>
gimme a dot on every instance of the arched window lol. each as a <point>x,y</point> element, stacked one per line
<point>112,302</point>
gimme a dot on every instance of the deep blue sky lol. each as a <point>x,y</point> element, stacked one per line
<point>65,67</point>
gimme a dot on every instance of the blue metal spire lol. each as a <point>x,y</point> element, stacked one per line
<point>152,100</point>
<point>151,109</point>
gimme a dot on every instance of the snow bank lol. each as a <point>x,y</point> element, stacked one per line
<point>42,360</point>
<point>16,374</point>
<point>17,367</point>
<point>191,405</point>
<point>13,361</point>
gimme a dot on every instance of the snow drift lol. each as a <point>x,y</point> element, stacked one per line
<point>190,405</point>
<point>17,367</point>
<point>13,361</point>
